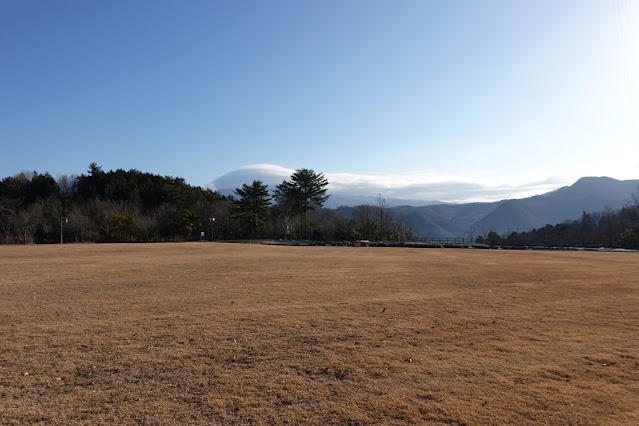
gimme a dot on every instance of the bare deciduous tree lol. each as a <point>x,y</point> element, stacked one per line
<point>66,183</point>
<point>27,220</point>
<point>79,223</point>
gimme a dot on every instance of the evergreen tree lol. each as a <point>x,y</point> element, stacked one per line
<point>252,206</point>
<point>305,191</point>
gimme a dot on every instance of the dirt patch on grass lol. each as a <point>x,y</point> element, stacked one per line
<point>227,333</point>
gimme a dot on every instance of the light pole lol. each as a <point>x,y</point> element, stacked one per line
<point>62,220</point>
<point>212,219</point>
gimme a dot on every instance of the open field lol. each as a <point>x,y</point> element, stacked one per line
<point>227,333</point>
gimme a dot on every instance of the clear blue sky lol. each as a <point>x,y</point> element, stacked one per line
<point>480,91</point>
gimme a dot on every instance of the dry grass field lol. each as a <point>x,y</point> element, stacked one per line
<point>203,333</point>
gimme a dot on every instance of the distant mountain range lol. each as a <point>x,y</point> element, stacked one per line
<point>589,194</point>
<point>338,200</point>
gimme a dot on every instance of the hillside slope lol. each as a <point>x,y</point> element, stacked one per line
<point>589,194</point>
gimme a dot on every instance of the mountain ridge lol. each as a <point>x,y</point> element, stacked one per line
<point>588,194</point>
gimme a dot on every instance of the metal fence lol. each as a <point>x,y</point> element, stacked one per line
<point>442,240</point>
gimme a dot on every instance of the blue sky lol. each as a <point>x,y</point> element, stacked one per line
<point>498,94</point>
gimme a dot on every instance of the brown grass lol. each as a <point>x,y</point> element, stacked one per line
<point>222,333</point>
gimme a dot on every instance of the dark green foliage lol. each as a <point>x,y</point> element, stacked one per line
<point>493,238</point>
<point>629,239</point>
<point>124,226</point>
<point>604,229</point>
<point>102,206</point>
<point>29,207</point>
<point>252,207</point>
<point>149,190</point>
<point>25,188</point>
<point>304,192</point>
<point>119,205</point>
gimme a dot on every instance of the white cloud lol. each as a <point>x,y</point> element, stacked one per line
<point>269,174</point>
<point>425,186</point>
<point>430,187</point>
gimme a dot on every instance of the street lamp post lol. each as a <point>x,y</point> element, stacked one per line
<point>62,220</point>
<point>212,219</point>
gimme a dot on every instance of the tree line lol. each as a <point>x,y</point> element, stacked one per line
<point>609,228</point>
<point>132,206</point>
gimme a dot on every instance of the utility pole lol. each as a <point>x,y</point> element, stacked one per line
<point>212,219</point>
<point>62,220</point>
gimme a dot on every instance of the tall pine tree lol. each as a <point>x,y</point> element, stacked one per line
<point>305,191</point>
<point>252,207</point>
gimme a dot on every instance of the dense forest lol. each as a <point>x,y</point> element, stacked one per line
<point>602,229</point>
<point>132,206</point>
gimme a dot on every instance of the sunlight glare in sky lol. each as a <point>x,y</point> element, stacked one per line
<point>496,92</point>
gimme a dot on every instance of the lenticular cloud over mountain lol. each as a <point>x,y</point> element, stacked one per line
<point>269,174</point>
<point>422,188</point>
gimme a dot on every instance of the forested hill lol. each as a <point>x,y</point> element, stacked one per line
<point>145,190</point>
<point>119,205</point>
<point>590,194</point>
<point>107,206</point>
<point>132,206</point>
